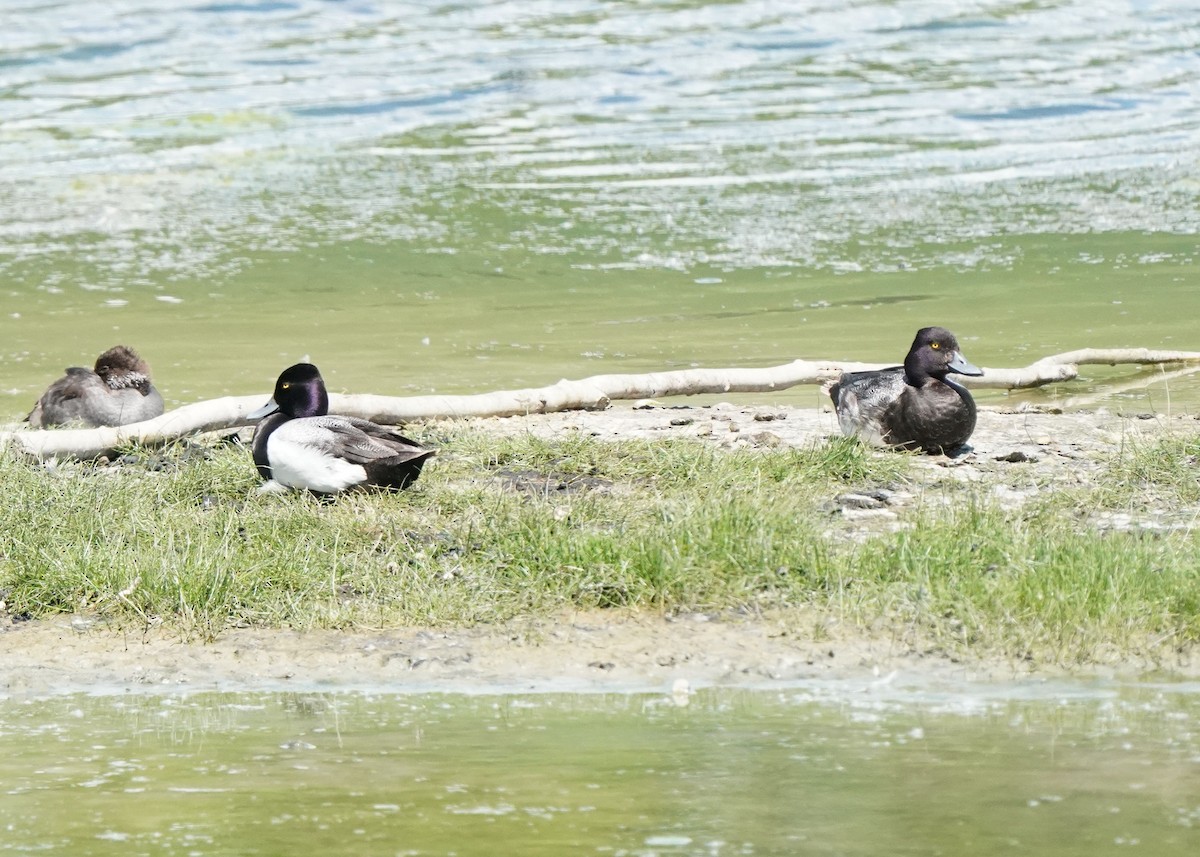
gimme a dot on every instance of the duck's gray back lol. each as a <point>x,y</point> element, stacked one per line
<point>65,400</point>
<point>354,439</point>
<point>862,400</point>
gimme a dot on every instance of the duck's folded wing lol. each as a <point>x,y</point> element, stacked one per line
<point>874,389</point>
<point>863,402</point>
<point>74,384</point>
<point>362,441</point>
<point>66,399</point>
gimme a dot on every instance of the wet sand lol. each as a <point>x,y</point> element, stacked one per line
<point>579,652</point>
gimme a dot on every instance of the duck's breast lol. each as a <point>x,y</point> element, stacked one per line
<point>130,406</point>
<point>935,417</point>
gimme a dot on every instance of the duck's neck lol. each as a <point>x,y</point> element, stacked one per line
<point>949,381</point>
<point>914,372</point>
<point>262,432</point>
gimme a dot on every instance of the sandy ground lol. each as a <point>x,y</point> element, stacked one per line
<point>1013,455</point>
<point>592,652</point>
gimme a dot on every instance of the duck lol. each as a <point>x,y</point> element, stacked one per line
<point>917,406</point>
<point>115,392</point>
<point>299,444</point>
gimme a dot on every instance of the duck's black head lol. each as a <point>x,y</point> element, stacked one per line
<point>121,368</point>
<point>299,392</point>
<point>935,354</point>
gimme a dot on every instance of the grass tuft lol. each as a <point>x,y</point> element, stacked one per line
<point>502,527</point>
<point>1167,467</point>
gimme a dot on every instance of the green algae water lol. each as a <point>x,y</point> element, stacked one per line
<point>1034,769</point>
<point>442,197</point>
<point>464,197</point>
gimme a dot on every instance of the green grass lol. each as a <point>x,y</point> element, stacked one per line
<point>500,528</point>
<point>1168,467</point>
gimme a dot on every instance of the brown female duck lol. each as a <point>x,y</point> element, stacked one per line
<point>915,406</point>
<point>116,392</point>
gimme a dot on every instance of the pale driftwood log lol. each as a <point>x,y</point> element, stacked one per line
<point>1065,366</point>
<point>213,415</point>
<point>594,393</point>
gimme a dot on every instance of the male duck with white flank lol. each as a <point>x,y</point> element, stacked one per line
<point>914,406</point>
<point>116,392</point>
<point>298,445</point>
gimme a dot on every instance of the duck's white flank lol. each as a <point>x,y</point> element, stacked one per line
<point>296,463</point>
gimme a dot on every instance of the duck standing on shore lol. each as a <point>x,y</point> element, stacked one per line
<point>298,444</point>
<point>116,392</point>
<point>916,406</point>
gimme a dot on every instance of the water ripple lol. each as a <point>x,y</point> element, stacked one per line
<point>221,124</point>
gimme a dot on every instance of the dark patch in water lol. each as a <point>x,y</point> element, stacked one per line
<point>396,103</point>
<point>20,62</point>
<point>618,99</point>
<point>85,53</point>
<point>287,61</point>
<point>863,302</point>
<point>1051,111</point>
<point>939,26</point>
<point>785,45</point>
<point>270,6</point>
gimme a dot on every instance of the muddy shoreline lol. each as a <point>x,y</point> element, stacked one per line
<point>571,653</point>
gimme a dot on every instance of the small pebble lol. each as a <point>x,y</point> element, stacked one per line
<point>851,514</point>
<point>858,501</point>
<point>1016,457</point>
<point>767,439</point>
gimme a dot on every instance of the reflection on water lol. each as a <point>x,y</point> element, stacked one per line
<point>458,197</point>
<point>1066,770</point>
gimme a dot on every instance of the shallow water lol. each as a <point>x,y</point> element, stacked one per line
<point>821,769</point>
<point>462,197</point>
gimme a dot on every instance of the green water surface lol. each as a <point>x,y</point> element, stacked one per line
<point>467,197</point>
<point>1042,771</point>
<point>396,320</point>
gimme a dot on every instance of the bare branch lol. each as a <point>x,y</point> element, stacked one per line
<point>594,393</point>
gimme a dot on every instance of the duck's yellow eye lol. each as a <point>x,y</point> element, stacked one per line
<point>935,345</point>
<point>286,385</point>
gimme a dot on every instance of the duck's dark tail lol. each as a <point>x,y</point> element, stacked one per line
<point>398,471</point>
